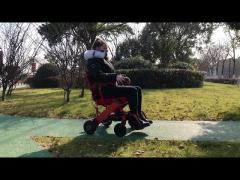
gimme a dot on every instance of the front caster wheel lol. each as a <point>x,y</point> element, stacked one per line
<point>120,130</point>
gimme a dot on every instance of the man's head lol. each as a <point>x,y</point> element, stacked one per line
<point>100,45</point>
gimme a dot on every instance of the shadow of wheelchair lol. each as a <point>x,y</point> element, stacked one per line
<point>103,133</point>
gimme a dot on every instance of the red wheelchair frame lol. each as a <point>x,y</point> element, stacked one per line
<point>113,110</point>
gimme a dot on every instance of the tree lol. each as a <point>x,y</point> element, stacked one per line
<point>16,52</point>
<point>234,25</point>
<point>82,34</point>
<point>213,55</point>
<point>65,56</point>
<point>128,49</point>
<point>130,45</point>
<point>234,43</point>
<point>225,53</point>
<point>167,42</point>
<point>46,76</point>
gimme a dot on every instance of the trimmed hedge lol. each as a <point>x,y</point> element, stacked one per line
<point>49,82</point>
<point>223,81</point>
<point>165,78</point>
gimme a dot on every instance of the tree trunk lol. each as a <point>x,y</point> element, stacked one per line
<point>211,71</point>
<point>67,95</point>
<point>229,69</point>
<point>82,89</point>
<point>9,92</point>
<point>223,67</point>
<point>82,78</point>
<point>234,61</point>
<point>234,64</point>
<point>82,92</point>
<point>217,68</point>
<point>4,92</point>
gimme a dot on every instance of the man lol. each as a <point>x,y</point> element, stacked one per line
<point>101,70</point>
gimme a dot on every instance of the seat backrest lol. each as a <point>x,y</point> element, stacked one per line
<point>97,94</point>
<point>92,86</point>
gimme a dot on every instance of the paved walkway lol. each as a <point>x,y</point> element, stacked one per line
<point>16,133</point>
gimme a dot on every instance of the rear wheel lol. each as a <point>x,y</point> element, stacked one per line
<point>120,130</point>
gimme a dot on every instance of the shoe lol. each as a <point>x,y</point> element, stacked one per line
<point>144,118</point>
<point>145,123</point>
<point>136,123</point>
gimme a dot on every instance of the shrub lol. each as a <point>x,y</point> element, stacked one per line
<point>223,80</point>
<point>47,70</point>
<point>137,62</point>
<point>164,78</point>
<point>46,77</point>
<point>29,81</point>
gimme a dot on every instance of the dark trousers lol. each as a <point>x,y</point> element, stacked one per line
<point>133,93</point>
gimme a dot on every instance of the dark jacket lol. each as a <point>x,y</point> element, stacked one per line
<point>101,70</point>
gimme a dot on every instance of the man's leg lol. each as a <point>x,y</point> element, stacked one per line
<point>123,91</point>
<point>132,94</point>
<point>140,105</point>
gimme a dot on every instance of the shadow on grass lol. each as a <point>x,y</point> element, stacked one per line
<point>233,115</point>
<point>38,154</point>
<point>219,131</point>
<point>219,139</point>
<point>101,144</point>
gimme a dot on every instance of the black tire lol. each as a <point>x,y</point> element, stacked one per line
<point>90,126</point>
<point>120,130</point>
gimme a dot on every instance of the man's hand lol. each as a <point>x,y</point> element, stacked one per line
<point>120,79</point>
<point>123,80</point>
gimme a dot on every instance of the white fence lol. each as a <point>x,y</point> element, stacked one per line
<point>19,85</point>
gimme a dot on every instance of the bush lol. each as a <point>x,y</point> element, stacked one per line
<point>47,70</point>
<point>29,81</point>
<point>137,62</point>
<point>49,82</point>
<point>165,78</point>
<point>46,77</point>
<point>182,65</point>
<point>223,81</point>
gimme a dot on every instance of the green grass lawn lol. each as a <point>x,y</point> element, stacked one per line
<point>80,147</point>
<point>211,102</point>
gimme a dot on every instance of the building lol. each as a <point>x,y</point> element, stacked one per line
<point>224,70</point>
